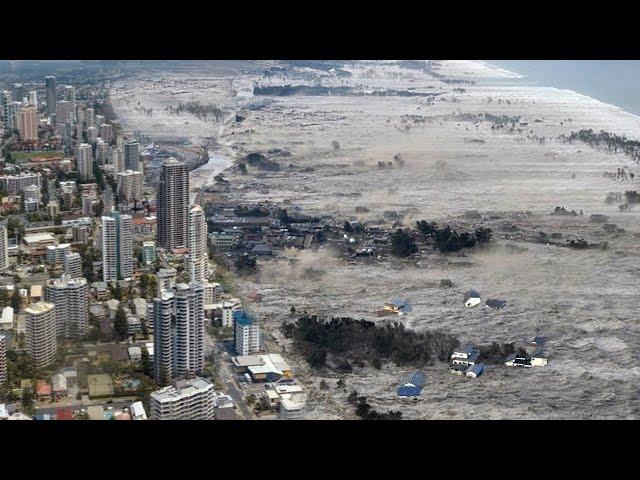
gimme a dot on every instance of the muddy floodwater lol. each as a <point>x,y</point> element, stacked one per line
<point>471,140</point>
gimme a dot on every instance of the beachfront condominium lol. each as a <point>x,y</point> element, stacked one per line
<point>84,161</point>
<point>163,345</point>
<point>190,399</point>
<point>132,156</point>
<point>178,327</point>
<point>189,333</point>
<point>117,247</point>
<point>173,205</point>
<point>71,298</point>
<point>4,248</point>
<point>28,124</point>
<point>41,337</point>
<point>198,259</point>
<point>246,333</point>
<point>50,83</point>
<point>3,359</point>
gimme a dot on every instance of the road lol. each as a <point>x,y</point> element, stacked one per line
<point>222,356</point>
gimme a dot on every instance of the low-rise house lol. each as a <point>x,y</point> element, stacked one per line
<point>137,411</point>
<point>135,354</point>
<point>59,386</point>
<point>397,305</point>
<point>530,354</point>
<point>289,399</point>
<point>467,355</point>
<point>6,319</point>
<point>43,390</point>
<point>263,368</point>
<point>64,414</point>
<point>496,304</point>
<point>133,325</point>
<point>471,299</point>
<point>413,388</point>
<point>122,416</point>
<point>524,359</point>
<point>100,290</point>
<point>71,375</point>
<point>95,412</point>
<point>475,370</point>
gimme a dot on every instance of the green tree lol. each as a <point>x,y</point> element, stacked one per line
<point>120,323</point>
<point>15,300</point>
<point>402,244</point>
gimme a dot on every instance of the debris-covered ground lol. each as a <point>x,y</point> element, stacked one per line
<point>490,146</point>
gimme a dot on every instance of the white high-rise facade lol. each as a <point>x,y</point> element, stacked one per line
<point>246,333</point>
<point>189,341</point>
<point>71,298</point>
<point>41,337</point>
<point>178,326</point>
<point>198,260</point>
<point>117,247</point>
<point>73,265</point>
<point>163,336</point>
<point>130,185</point>
<point>84,161</point>
<point>4,248</point>
<point>3,359</point>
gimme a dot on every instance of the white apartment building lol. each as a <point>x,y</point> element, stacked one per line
<point>14,184</point>
<point>56,254</point>
<point>73,265</point>
<point>130,185</point>
<point>4,248</point>
<point>246,333</point>
<point>117,247</point>
<point>191,399</point>
<point>198,260</point>
<point>163,345</point>
<point>189,332</point>
<point>40,329</point>
<point>84,161</point>
<point>71,298</point>
<point>3,359</point>
<point>228,308</point>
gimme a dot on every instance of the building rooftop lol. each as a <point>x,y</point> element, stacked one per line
<point>39,307</point>
<point>182,389</point>
<point>241,317</point>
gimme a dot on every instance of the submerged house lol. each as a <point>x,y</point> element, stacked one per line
<point>474,370</point>
<point>531,355</point>
<point>397,305</point>
<point>471,299</point>
<point>413,388</point>
<point>496,304</point>
<point>464,358</point>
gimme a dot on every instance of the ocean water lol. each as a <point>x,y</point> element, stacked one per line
<point>616,82</point>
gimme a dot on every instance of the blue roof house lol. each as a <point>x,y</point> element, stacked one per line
<point>413,388</point>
